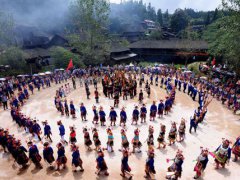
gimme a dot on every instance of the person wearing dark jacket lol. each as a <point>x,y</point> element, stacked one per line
<point>149,166</point>
<point>48,153</point>
<point>34,155</point>
<point>61,158</point>
<point>76,160</point>
<point>193,124</point>
<point>36,129</point>
<point>47,130</point>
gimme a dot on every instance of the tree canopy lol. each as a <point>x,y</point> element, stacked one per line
<point>223,35</point>
<point>15,58</point>
<point>89,19</point>
<point>179,20</point>
<point>62,56</point>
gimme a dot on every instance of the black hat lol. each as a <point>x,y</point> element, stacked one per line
<point>45,144</point>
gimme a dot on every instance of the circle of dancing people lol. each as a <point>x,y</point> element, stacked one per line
<point>115,89</point>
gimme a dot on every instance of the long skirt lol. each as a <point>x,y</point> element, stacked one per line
<point>153,114</point>
<point>198,169</point>
<point>236,150</point>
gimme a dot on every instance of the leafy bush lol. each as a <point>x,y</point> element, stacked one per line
<point>15,58</point>
<point>62,56</point>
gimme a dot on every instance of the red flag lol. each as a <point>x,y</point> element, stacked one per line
<point>213,61</point>
<point>70,64</point>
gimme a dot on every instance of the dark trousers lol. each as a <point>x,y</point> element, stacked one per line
<point>49,137</point>
<point>5,106</point>
<point>195,128</point>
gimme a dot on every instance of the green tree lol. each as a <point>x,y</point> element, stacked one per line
<point>179,20</point>
<point>215,15</point>
<point>223,35</point>
<point>151,12</point>
<point>155,35</point>
<point>62,56</point>
<point>88,34</point>
<point>166,18</point>
<point>207,19</point>
<point>15,58</point>
<point>160,17</point>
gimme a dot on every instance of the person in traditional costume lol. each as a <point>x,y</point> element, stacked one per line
<point>76,160</point>
<point>101,164</point>
<point>179,85</point>
<point>160,108</point>
<point>96,139</point>
<point>224,96</point>
<point>96,95</point>
<point>125,168</point>
<point>135,141</point>
<point>151,79</point>
<point>161,137</point>
<point>61,107</point>
<point>48,153</point>
<point>34,155</point>
<point>140,83</point>
<point>87,140</point>
<point>21,157</point>
<point>222,154</point>
<point>143,113</point>
<point>176,167</point>
<point>150,139</point>
<point>74,82</point>
<point>236,149</point>
<point>47,130</point>
<point>149,166</point>
<point>66,108</point>
<point>167,105</point>
<point>72,136</point>
<point>36,130</point>
<point>3,139</point>
<point>113,116</point>
<point>116,98</point>
<point>149,91</point>
<point>102,116</point>
<point>140,96</point>
<point>62,132</point>
<point>184,86</point>
<point>172,134</point>
<point>110,141</point>
<point>201,164</point>
<point>83,112</point>
<point>135,115</point>
<point>123,117</point>
<point>95,116</point>
<point>56,102</point>
<point>193,124</point>
<point>181,130</point>
<point>156,80</point>
<point>61,158</point>
<point>72,110</point>
<point>125,143</point>
<point>153,111</point>
<point>125,93</point>
<point>176,82</point>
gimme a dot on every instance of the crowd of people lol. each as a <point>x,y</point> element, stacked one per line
<point>116,84</point>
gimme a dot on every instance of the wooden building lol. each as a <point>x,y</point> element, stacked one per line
<point>120,54</point>
<point>167,51</point>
